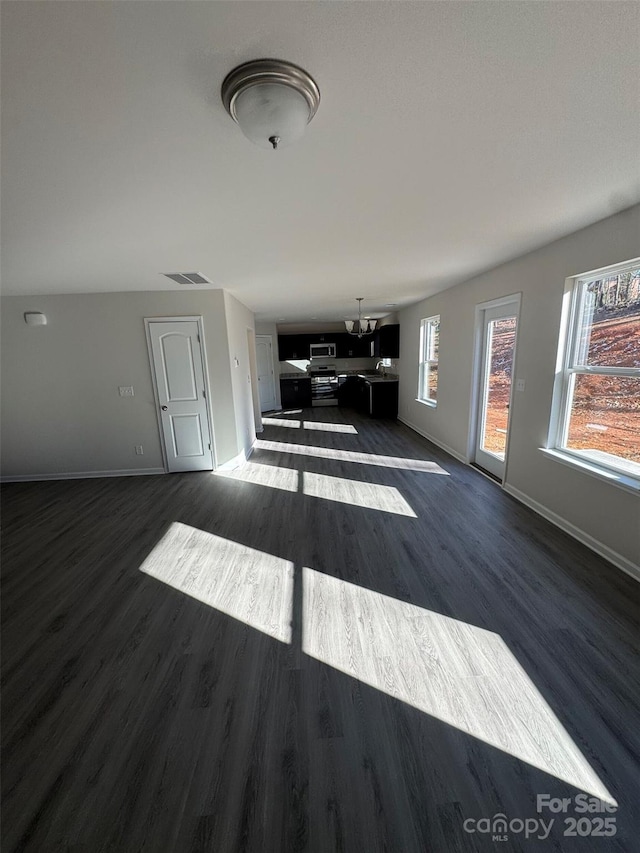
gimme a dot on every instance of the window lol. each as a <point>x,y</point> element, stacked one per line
<point>428,374</point>
<point>598,390</point>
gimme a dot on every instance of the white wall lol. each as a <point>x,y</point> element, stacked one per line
<point>597,509</point>
<point>240,321</point>
<point>61,412</point>
<point>389,320</point>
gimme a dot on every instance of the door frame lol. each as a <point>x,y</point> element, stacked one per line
<point>273,369</point>
<point>187,318</point>
<point>514,299</point>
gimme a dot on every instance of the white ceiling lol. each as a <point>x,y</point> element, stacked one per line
<point>450,137</point>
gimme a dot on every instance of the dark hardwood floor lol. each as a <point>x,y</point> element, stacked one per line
<point>319,652</point>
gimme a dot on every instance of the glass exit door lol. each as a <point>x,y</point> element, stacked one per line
<point>498,353</point>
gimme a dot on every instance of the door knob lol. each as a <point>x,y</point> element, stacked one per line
<point>164,408</point>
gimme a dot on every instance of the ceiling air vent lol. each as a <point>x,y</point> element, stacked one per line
<point>187,277</point>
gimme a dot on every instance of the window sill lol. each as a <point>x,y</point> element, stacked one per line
<point>622,481</point>
<point>430,403</point>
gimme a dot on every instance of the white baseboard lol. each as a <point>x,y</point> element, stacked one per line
<point>81,475</point>
<point>435,441</point>
<point>577,533</point>
<point>594,544</point>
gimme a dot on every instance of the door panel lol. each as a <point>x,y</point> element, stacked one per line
<point>187,435</point>
<point>178,371</point>
<point>498,352</point>
<point>177,362</point>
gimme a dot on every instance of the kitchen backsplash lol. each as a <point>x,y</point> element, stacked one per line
<point>350,364</point>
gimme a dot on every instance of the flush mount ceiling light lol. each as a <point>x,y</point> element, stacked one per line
<point>365,326</point>
<point>272,101</point>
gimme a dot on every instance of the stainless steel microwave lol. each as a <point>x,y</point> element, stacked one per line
<point>323,350</point>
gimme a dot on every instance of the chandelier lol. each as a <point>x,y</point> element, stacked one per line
<point>364,327</point>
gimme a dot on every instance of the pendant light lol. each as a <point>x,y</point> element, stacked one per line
<point>364,327</point>
<point>272,101</point>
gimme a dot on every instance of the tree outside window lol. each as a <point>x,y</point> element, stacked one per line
<point>428,372</point>
<point>600,387</point>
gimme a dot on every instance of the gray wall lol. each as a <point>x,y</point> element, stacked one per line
<point>61,412</point>
<point>597,509</point>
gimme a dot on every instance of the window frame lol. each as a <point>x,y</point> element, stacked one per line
<point>425,364</point>
<point>568,367</point>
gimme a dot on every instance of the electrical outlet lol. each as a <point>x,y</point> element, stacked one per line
<point>519,384</point>
<point>126,390</point>
<point>139,450</point>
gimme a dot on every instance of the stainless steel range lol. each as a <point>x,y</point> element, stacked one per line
<point>324,386</point>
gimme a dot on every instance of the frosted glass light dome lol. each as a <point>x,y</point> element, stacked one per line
<point>272,101</point>
<point>271,111</point>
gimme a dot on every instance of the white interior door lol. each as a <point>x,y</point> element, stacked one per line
<point>498,332</point>
<point>177,362</point>
<point>266,379</point>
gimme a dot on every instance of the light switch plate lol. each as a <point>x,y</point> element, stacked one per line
<point>519,384</point>
<point>126,390</point>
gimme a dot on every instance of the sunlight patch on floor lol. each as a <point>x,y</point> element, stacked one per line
<point>325,426</point>
<point>458,673</point>
<point>339,489</point>
<point>281,422</point>
<point>461,674</point>
<point>356,493</point>
<point>270,476</point>
<point>249,585</point>
<point>320,426</point>
<point>351,456</point>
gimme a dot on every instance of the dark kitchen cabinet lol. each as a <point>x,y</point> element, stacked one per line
<point>379,399</point>
<point>293,347</point>
<point>349,391</point>
<point>321,338</point>
<point>295,393</point>
<point>350,346</point>
<point>343,344</point>
<point>384,400</point>
<point>297,347</point>
<point>387,343</point>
